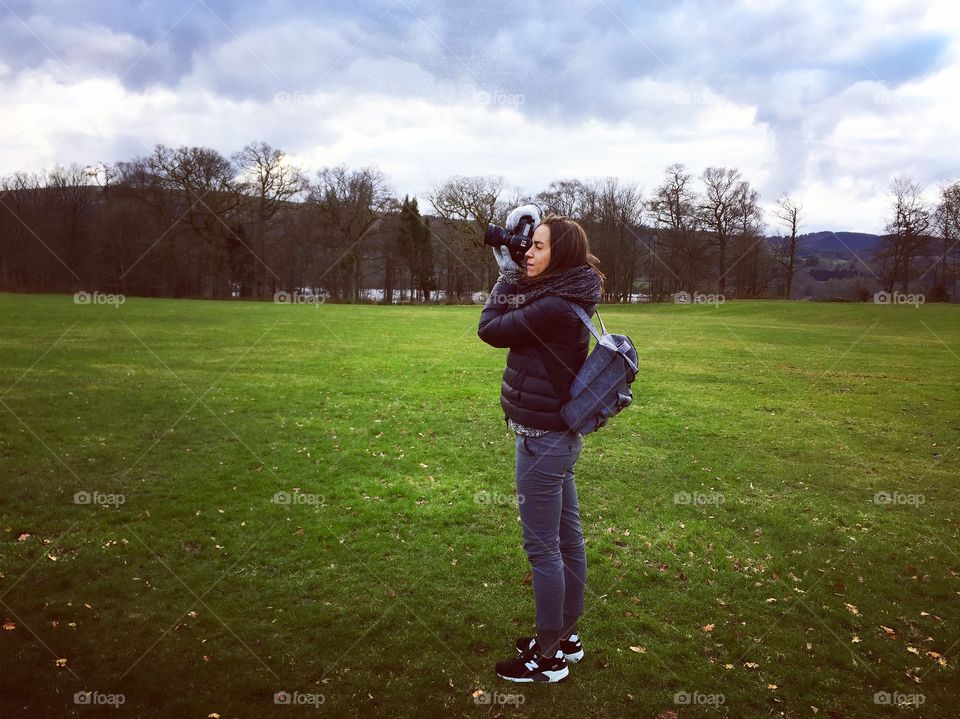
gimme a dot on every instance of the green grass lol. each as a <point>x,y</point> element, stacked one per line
<point>394,590</point>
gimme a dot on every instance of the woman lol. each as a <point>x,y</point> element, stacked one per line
<point>529,313</point>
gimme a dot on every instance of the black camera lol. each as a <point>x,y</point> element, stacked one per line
<point>517,242</point>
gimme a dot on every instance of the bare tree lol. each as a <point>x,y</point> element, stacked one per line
<point>564,197</point>
<point>205,181</point>
<point>614,226</point>
<point>349,205</point>
<point>721,194</point>
<point>677,260</point>
<point>267,181</point>
<point>466,206</point>
<point>25,263</point>
<point>73,197</point>
<point>751,252</point>
<point>788,213</point>
<point>947,220</point>
<point>906,232</point>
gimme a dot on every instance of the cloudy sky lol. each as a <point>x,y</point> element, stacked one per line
<point>825,100</point>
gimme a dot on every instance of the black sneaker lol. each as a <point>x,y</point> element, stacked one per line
<point>572,648</point>
<point>531,666</point>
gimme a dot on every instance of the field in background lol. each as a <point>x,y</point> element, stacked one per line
<point>204,504</point>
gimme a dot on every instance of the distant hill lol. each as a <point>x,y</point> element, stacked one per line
<point>815,242</point>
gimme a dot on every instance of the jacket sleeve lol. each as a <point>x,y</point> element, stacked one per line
<point>501,326</point>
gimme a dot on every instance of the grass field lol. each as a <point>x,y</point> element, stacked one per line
<point>772,527</point>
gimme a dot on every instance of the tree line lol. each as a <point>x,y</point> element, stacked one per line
<point>191,222</point>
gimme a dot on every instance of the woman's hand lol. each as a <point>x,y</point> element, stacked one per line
<point>509,270</point>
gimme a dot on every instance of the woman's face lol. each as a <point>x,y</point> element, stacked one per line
<point>538,256</point>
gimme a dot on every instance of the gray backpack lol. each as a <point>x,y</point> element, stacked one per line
<point>602,386</point>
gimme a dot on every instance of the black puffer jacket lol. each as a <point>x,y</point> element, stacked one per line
<point>526,394</point>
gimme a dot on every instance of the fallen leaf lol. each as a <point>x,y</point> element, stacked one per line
<point>728,666</point>
<point>771,686</point>
<point>61,662</point>
<point>9,626</point>
<point>708,627</point>
<point>855,640</point>
<point>913,650</point>
<point>639,650</point>
<point>852,608</point>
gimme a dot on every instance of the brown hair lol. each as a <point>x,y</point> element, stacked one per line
<point>569,247</point>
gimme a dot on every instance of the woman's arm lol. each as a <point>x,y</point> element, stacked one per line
<point>501,326</point>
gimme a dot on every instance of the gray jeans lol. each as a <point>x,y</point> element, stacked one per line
<point>550,521</point>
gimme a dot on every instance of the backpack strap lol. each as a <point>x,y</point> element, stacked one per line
<point>585,318</point>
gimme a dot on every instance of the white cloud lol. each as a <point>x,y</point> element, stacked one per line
<point>581,92</point>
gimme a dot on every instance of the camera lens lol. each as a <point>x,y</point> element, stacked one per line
<point>496,236</point>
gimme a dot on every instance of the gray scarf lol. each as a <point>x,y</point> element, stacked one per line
<point>579,284</point>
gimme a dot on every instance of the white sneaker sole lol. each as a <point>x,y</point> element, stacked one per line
<point>547,677</point>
